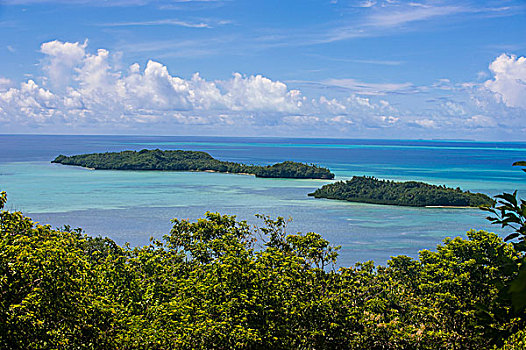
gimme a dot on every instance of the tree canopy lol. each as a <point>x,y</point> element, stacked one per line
<point>411,193</point>
<point>190,161</point>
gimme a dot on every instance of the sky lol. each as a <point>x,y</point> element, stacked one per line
<point>327,68</point>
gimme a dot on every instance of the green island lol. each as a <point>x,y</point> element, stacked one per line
<point>190,161</point>
<point>207,285</point>
<point>367,189</point>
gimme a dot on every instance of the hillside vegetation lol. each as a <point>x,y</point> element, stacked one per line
<point>190,161</point>
<point>206,286</point>
<point>412,193</point>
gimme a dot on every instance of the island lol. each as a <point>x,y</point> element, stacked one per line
<point>366,189</point>
<point>178,160</point>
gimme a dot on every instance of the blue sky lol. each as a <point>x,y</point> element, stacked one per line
<point>350,69</point>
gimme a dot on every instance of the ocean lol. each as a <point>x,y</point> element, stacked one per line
<point>132,206</point>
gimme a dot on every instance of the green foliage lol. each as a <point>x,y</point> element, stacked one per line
<point>190,161</point>
<point>218,283</point>
<point>295,170</point>
<point>46,288</point>
<point>510,211</point>
<point>515,342</point>
<point>417,194</point>
<point>3,199</point>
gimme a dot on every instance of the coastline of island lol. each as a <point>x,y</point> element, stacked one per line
<point>178,160</point>
<point>364,189</point>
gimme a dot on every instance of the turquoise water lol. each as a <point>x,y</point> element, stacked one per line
<point>132,206</point>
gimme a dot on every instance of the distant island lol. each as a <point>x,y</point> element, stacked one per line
<point>411,193</point>
<point>190,161</point>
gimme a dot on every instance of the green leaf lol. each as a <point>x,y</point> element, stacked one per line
<point>511,236</point>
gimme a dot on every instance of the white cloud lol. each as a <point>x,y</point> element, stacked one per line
<point>389,119</point>
<point>332,105</point>
<point>30,101</point>
<point>301,119</point>
<point>341,119</point>
<point>412,14</point>
<point>85,86</point>
<point>258,93</point>
<point>481,121</point>
<point>426,123</point>
<point>169,22</point>
<point>453,108</point>
<point>155,89</point>
<point>391,17</point>
<point>94,75</point>
<point>443,84</point>
<point>360,101</point>
<point>482,75</point>
<point>5,83</point>
<point>370,88</point>
<point>60,60</point>
<point>367,3</point>
<point>90,90</point>
<point>509,82</point>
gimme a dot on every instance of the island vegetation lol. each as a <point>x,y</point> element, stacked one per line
<point>207,285</point>
<point>190,161</point>
<point>367,189</point>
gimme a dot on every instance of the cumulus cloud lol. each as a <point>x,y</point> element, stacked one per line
<point>89,90</point>
<point>29,100</point>
<point>80,85</point>
<point>258,93</point>
<point>330,105</point>
<point>509,82</point>
<point>60,59</point>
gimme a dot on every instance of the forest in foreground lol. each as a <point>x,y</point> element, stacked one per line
<point>219,283</point>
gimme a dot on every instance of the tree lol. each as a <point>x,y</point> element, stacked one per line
<point>510,211</point>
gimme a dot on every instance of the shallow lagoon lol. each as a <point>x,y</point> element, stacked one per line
<point>132,206</point>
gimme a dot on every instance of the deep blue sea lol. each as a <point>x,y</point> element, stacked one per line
<point>133,206</point>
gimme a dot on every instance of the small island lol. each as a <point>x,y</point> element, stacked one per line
<point>190,161</point>
<point>366,189</point>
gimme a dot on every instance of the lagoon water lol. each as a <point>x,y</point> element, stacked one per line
<point>134,206</point>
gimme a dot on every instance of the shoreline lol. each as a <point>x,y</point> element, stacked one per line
<point>195,171</point>
<point>180,160</point>
<point>449,207</point>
